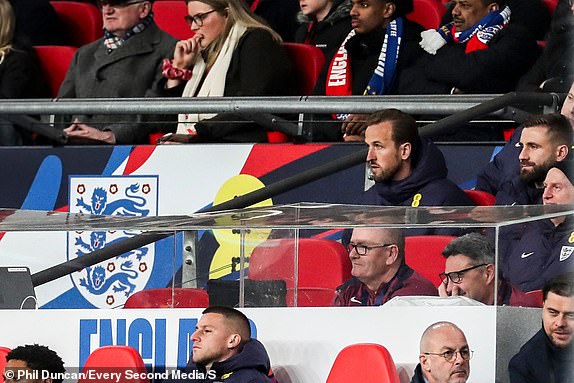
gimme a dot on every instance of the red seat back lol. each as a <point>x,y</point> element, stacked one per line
<point>82,21</point>
<point>117,359</point>
<point>538,296</point>
<point>3,352</point>
<point>54,64</point>
<point>168,298</point>
<point>480,198</point>
<point>169,14</point>
<point>423,253</point>
<point>323,265</point>
<point>307,61</point>
<point>427,13</point>
<point>363,362</point>
<point>550,5</point>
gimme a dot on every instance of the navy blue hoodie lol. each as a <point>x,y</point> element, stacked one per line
<point>251,365</point>
<point>427,185</point>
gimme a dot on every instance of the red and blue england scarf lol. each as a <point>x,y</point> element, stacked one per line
<point>339,79</point>
<point>479,36</point>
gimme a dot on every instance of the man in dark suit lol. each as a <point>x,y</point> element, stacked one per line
<point>126,62</point>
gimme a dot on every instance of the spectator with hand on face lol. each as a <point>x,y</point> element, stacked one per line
<point>231,54</point>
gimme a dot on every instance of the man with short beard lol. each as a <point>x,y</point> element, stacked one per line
<point>408,170</point>
<point>544,141</point>
<point>548,356</point>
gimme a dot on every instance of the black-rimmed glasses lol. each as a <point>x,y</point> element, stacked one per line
<point>198,18</point>
<point>456,276</point>
<point>363,249</point>
<point>450,356</point>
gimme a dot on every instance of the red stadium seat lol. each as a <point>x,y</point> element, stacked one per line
<point>423,253</point>
<point>427,13</point>
<point>168,298</point>
<point>3,352</point>
<point>538,295</point>
<point>54,63</point>
<point>117,359</point>
<point>364,362</point>
<point>169,14</point>
<point>323,266</point>
<point>82,21</point>
<point>480,198</point>
<point>307,61</point>
<point>550,5</point>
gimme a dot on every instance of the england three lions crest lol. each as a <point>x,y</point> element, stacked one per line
<point>110,283</point>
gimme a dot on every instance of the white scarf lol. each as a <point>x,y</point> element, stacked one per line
<point>214,84</point>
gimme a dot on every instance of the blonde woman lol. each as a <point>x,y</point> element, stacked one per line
<point>231,54</point>
<point>18,66</point>
<point>18,71</point>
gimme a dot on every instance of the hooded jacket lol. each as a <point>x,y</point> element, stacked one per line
<point>251,365</point>
<point>328,33</point>
<point>427,185</point>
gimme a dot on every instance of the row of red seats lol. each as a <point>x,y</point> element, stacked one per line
<point>349,362</point>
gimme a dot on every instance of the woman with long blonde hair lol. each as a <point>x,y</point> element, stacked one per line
<point>232,53</point>
<point>19,70</point>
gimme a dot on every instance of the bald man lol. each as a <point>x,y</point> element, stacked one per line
<point>444,355</point>
<point>223,349</point>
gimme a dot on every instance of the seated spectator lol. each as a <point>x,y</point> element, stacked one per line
<point>223,349</point>
<point>544,141</point>
<point>324,23</point>
<point>231,54</point>
<point>554,70</point>
<point>379,270</point>
<point>32,358</point>
<point>549,355</point>
<point>37,23</point>
<point>444,355</point>
<point>126,62</point>
<point>543,249</point>
<point>407,169</point>
<point>531,15</point>
<point>381,43</point>
<point>19,72</point>
<point>479,52</point>
<point>505,164</point>
<point>470,271</point>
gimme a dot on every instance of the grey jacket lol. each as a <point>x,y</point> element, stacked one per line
<point>132,70</point>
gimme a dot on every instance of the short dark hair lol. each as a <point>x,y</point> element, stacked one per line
<point>239,320</point>
<point>38,358</point>
<point>474,246</point>
<point>562,285</point>
<point>559,128</point>
<point>404,127</point>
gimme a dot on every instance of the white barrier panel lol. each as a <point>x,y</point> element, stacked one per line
<point>302,342</point>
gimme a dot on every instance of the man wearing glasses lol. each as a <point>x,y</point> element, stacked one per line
<point>444,355</point>
<point>470,270</point>
<point>379,270</point>
<point>549,355</point>
<point>126,62</point>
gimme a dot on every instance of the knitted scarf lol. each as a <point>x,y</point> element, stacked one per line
<point>112,41</point>
<point>477,38</point>
<point>214,83</point>
<point>339,79</point>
